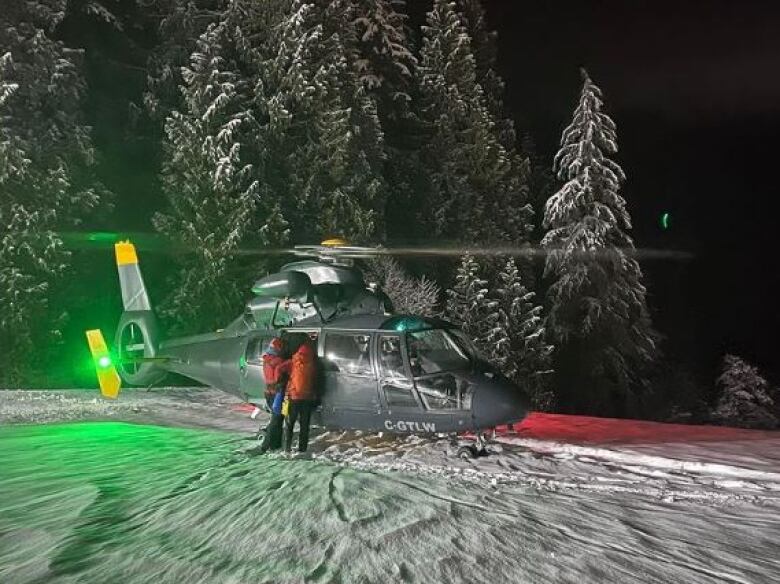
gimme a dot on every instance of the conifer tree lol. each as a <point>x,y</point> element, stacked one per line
<point>276,139</point>
<point>179,24</point>
<point>468,304</point>
<point>518,340</point>
<point>47,181</point>
<point>326,127</point>
<point>408,294</point>
<point>598,313</point>
<point>744,399</point>
<point>385,63</point>
<point>483,42</point>
<point>477,192</point>
<point>212,174</point>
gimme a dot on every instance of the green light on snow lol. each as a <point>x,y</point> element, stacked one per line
<point>104,361</point>
<point>665,221</point>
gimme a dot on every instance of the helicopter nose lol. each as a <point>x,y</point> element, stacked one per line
<point>497,402</point>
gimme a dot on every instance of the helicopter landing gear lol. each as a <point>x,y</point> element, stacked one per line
<point>476,450</point>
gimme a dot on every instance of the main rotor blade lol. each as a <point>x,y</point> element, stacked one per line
<point>454,251</point>
<point>156,242</point>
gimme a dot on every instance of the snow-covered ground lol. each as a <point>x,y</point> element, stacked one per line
<point>180,495</point>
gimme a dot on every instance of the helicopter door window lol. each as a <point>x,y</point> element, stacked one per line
<point>397,386</point>
<point>391,362</point>
<point>348,353</point>
<point>254,350</point>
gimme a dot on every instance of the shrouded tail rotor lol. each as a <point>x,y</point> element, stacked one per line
<point>137,336</point>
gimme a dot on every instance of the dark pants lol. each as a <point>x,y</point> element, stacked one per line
<point>273,434</point>
<point>300,411</point>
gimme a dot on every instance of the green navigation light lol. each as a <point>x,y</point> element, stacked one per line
<point>104,361</point>
<point>103,237</point>
<point>665,220</point>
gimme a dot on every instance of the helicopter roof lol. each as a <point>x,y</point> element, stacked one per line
<point>381,322</point>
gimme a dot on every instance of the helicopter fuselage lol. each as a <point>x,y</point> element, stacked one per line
<point>358,388</point>
<point>378,371</point>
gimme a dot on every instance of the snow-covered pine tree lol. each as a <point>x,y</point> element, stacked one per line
<point>386,67</point>
<point>179,23</point>
<point>385,63</point>
<point>744,399</point>
<point>483,42</point>
<point>408,294</point>
<point>517,340</point>
<point>213,172</point>
<point>477,192</point>
<point>328,140</point>
<point>598,316</point>
<point>469,305</point>
<point>47,181</point>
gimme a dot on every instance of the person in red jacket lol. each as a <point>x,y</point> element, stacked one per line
<point>301,393</point>
<point>273,357</point>
<point>276,372</point>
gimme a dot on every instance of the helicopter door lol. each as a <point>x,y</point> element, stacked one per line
<point>252,382</point>
<point>395,382</point>
<point>352,397</point>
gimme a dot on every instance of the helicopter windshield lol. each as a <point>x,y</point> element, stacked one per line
<point>433,351</point>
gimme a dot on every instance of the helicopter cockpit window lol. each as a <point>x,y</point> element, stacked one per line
<point>433,351</point>
<point>445,391</point>
<point>348,353</point>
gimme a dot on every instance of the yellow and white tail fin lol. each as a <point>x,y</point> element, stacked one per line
<point>134,296</point>
<point>104,366</point>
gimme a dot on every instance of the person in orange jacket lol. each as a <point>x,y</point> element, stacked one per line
<point>301,394</point>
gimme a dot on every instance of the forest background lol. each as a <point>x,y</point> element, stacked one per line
<point>232,125</point>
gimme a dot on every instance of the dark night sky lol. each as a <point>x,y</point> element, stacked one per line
<point>695,90</point>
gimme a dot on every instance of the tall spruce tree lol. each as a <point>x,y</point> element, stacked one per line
<point>386,67</point>
<point>477,192</point>
<point>179,24</point>
<point>468,304</point>
<point>484,46</point>
<point>47,180</point>
<point>385,62</point>
<point>213,172</point>
<point>518,341</point>
<point>598,316</point>
<point>277,139</point>
<point>326,127</point>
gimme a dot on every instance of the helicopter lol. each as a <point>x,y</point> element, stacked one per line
<point>378,371</point>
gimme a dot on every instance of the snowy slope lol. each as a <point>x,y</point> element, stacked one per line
<point>111,501</point>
